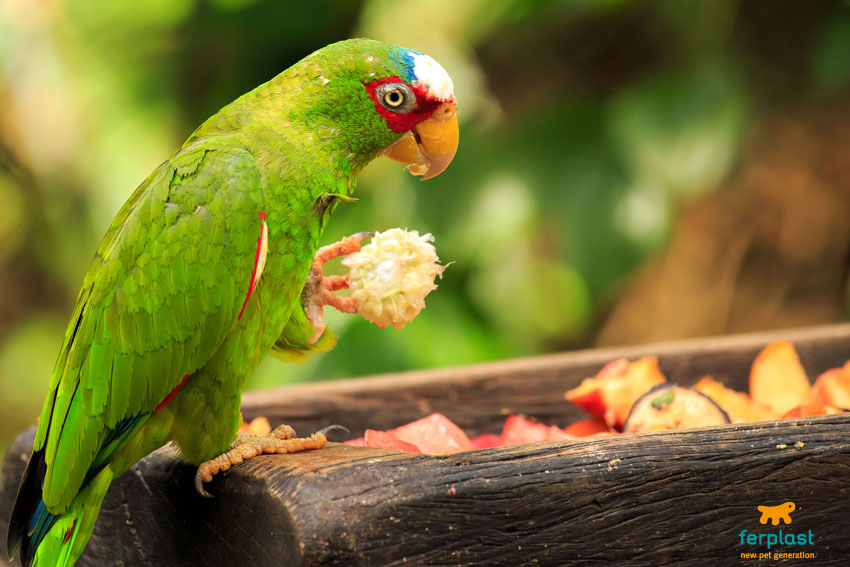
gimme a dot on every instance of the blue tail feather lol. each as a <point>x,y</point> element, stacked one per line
<point>31,521</point>
<point>40,524</point>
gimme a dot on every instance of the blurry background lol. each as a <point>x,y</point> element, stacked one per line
<point>629,170</point>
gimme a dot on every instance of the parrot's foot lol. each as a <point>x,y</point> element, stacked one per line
<point>245,446</point>
<point>319,289</point>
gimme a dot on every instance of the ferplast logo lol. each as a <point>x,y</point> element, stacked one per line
<point>776,513</point>
<point>777,544</point>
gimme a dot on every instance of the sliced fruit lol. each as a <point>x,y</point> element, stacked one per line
<point>673,407</point>
<point>777,379</point>
<point>611,393</point>
<point>807,410</point>
<point>739,406</point>
<point>586,427</point>
<point>486,441</point>
<point>555,433</point>
<point>386,440</point>
<point>830,394</point>
<point>832,387</point>
<point>258,426</point>
<point>435,434</point>
<point>518,430</point>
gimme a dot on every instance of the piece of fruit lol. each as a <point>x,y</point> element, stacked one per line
<point>586,428</point>
<point>391,276</point>
<point>386,440</point>
<point>555,433</point>
<point>673,407</point>
<point>518,430</point>
<point>807,410</point>
<point>486,441</point>
<point>611,393</point>
<point>739,406</point>
<point>435,435</point>
<point>829,394</point>
<point>777,379</point>
<point>832,388</point>
<point>258,426</point>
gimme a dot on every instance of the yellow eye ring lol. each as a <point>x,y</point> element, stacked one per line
<point>394,98</point>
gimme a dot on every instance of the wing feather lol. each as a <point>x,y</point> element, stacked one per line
<point>160,296</point>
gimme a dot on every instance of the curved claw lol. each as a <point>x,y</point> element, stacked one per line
<point>199,486</point>
<point>324,431</point>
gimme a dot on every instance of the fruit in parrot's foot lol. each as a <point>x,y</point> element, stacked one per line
<point>390,277</point>
<point>319,289</point>
<point>246,446</point>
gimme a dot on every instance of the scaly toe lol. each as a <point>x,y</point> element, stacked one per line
<point>246,446</point>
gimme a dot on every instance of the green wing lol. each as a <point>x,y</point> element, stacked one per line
<point>165,288</point>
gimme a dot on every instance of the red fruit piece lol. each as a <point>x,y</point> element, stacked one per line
<point>555,433</point>
<point>807,411</point>
<point>611,393</point>
<point>518,430</point>
<point>435,435</point>
<point>385,440</point>
<point>486,441</point>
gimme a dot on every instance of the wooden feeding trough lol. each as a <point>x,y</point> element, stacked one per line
<point>680,497</point>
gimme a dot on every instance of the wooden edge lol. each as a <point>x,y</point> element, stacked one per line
<point>679,497</point>
<point>706,347</point>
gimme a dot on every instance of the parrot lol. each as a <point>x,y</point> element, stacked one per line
<point>211,264</point>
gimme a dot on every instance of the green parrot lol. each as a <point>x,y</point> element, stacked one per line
<point>211,264</point>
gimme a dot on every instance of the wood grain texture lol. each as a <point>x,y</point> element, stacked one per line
<point>673,498</point>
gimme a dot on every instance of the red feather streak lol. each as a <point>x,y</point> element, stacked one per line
<point>254,271</point>
<point>171,394</point>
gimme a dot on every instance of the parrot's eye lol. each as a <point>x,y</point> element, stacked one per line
<point>396,97</point>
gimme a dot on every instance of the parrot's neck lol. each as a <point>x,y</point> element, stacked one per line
<point>316,142</point>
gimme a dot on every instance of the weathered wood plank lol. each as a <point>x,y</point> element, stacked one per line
<point>654,499</point>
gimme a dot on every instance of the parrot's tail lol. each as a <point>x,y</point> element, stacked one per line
<point>69,532</point>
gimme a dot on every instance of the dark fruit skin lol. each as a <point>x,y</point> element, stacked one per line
<point>668,406</point>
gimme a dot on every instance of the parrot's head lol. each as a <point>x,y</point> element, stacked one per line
<point>377,99</point>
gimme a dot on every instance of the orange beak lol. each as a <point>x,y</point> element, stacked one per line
<point>429,148</point>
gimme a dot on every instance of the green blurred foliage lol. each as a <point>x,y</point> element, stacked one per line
<point>584,124</point>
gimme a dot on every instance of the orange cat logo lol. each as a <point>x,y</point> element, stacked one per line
<point>775,513</point>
